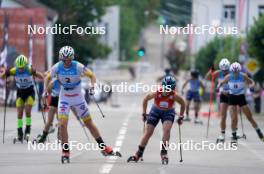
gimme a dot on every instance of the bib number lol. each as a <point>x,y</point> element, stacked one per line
<point>164,104</point>
<point>67,80</point>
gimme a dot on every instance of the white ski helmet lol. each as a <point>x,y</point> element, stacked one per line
<point>66,52</point>
<point>235,67</point>
<point>224,64</point>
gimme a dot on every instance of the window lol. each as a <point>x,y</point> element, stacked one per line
<point>229,13</point>
<point>261,10</point>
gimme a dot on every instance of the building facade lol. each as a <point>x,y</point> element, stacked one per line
<point>224,13</point>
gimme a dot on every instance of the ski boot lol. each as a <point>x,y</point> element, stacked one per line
<point>220,139</point>
<point>242,136</point>
<point>27,133</point>
<point>134,158</point>
<point>40,139</point>
<point>260,135</point>
<point>197,121</point>
<point>233,141</point>
<point>65,157</point>
<point>187,118</point>
<point>164,158</point>
<point>51,129</point>
<point>108,151</point>
<point>19,136</point>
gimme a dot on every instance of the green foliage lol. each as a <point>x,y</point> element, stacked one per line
<point>218,48</point>
<point>256,45</point>
<point>81,13</point>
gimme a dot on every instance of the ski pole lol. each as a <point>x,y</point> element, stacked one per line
<point>181,160</point>
<point>5,110</point>
<point>210,103</point>
<point>242,125</point>
<point>83,127</point>
<point>42,113</point>
<point>98,107</point>
<point>144,126</point>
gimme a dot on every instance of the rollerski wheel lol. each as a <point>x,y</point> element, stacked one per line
<point>65,158</point>
<point>133,158</point>
<point>164,159</point>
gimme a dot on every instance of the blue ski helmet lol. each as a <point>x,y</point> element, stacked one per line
<point>169,82</point>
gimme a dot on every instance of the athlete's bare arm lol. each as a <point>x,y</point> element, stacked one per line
<point>50,86</point>
<point>37,74</point>
<point>248,80</point>
<point>181,101</point>
<point>146,99</point>
<point>226,79</point>
<point>2,72</point>
<point>47,81</point>
<point>184,85</point>
<point>209,73</point>
<point>88,73</point>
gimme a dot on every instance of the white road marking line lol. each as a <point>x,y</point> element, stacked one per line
<point>107,167</point>
<point>162,170</point>
<point>120,137</point>
<point>118,143</point>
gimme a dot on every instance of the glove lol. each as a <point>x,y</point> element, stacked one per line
<point>45,94</point>
<point>180,120</point>
<point>218,87</point>
<point>91,91</point>
<point>217,90</point>
<point>144,117</point>
<point>44,102</point>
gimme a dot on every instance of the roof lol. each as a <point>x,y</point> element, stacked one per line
<point>34,3</point>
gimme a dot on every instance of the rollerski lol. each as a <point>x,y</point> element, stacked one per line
<point>260,135</point>
<point>65,158</point>
<point>233,141</point>
<point>242,137</point>
<point>164,159</point>
<point>134,158</point>
<point>220,139</point>
<point>27,133</point>
<point>197,121</point>
<point>40,139</point>
<point>187,118</point>
<point>19,136</point>
<point>108,151</point>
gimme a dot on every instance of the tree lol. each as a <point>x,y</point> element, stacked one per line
<point>218,48</point>
<point>82,13</point>
<point>256,40</point>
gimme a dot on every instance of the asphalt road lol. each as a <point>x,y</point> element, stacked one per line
<point>122,129</point>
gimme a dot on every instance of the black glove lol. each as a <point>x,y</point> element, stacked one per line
<point>180,118</point>
<point>144,117</point>
<point>91,91</point>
